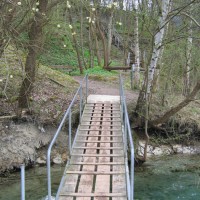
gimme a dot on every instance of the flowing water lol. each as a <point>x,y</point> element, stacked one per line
<point>36,184</point>
<point>167,178</point>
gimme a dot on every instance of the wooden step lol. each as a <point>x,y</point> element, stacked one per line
<point>100,148</point>
<point>101,121</point>
<point>88,135</point>
<point>102,113</point>
<point>97,141</point>
<point>103,103</point>
<point>99,163</point>
<point>101,109</point>
<point>94,173</point>
<point>94,194</point>
<point>98,155</point>
<point>105,117</point>
<point>101,125</point>
<point>99,130</point>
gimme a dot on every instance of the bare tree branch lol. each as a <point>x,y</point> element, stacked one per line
<point>177,108</point>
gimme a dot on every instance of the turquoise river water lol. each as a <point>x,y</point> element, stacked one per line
<point>162,178</point>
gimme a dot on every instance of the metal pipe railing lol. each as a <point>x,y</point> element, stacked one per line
<point>22,181</point>
<point>67,114</point>
<point>128,140</point>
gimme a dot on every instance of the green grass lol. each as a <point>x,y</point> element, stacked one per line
<point>100,71</point>
<point>97,71</point>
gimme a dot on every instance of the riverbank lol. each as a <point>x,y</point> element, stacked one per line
<point>27,143</point>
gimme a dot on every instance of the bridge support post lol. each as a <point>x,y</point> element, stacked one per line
<point>81,104</point>
<point>22,182</point>
<point>70,131</point>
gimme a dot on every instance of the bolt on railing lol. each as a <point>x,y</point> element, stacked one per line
<point>67,114</point>
<point>128,142</point>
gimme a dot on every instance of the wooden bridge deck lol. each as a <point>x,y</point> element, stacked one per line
<point>96,169</point>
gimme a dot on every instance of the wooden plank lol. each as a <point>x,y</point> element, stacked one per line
<point>84,135</point>
<point>100,148</point>
<point>99,155</point>
<point>95,173</point>
<point>100,125</point>
<point>99,163</point>
<point>102,109</point>
<point>103,181</point>
<point>96,141</point>
<point>110,117</point>
<point>100,130</point>
<point>100,194</point>
<point>118,180</point>
<point>70,181</point>
<point>116,114</point>
<point>83,120</point>
<point>86,181</point>
<point>100,103</point>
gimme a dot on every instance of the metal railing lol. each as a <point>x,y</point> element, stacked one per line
<point>128,143</point>
<point>66,116</point>
<point>22,181</point>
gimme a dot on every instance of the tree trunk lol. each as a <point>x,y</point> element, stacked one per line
<point>149,74</point>
<point>95,38</point>
<point>175,109</point>
<point>136,44</point>
<point>109,35</point>
<point>81,36</point>
<point>158,39</point>
<point>103,39</point>
<point>90,41</point>
<point>75,41</point>
<point>35,43</point>
<point>186,77</point>
<point>97,51</point>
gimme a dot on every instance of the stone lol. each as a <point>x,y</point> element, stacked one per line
<point>57,159</point>
<point>40,161</point>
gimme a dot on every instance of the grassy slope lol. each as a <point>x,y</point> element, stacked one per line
<point>52,92</point>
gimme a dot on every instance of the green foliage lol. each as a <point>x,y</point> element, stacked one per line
<point>56,54</point>
<point>100,71</point>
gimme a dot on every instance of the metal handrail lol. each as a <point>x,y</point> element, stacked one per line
<point>67,114</point>
<point>22,181</point>
<point>128,140</point>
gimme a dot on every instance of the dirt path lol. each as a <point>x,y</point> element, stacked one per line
<point>108,88</point>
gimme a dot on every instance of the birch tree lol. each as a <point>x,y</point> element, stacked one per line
<point>109,35</point>
<point>186,73</point>
<point>136,43</point>
<point>158,39</point>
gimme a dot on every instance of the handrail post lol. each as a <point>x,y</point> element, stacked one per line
<point>49,174</point>
<point>132,173</point>
<point>81,101</point>
<point>22,182</point>
<point>86,88</point>
<point>70,131</point>
<point>125,135</point>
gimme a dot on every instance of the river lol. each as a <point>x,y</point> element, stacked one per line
<point>161,178</point>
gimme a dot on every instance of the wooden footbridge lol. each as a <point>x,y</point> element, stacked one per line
<point>98,166</point>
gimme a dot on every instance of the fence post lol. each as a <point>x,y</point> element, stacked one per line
<point>22,182</point>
